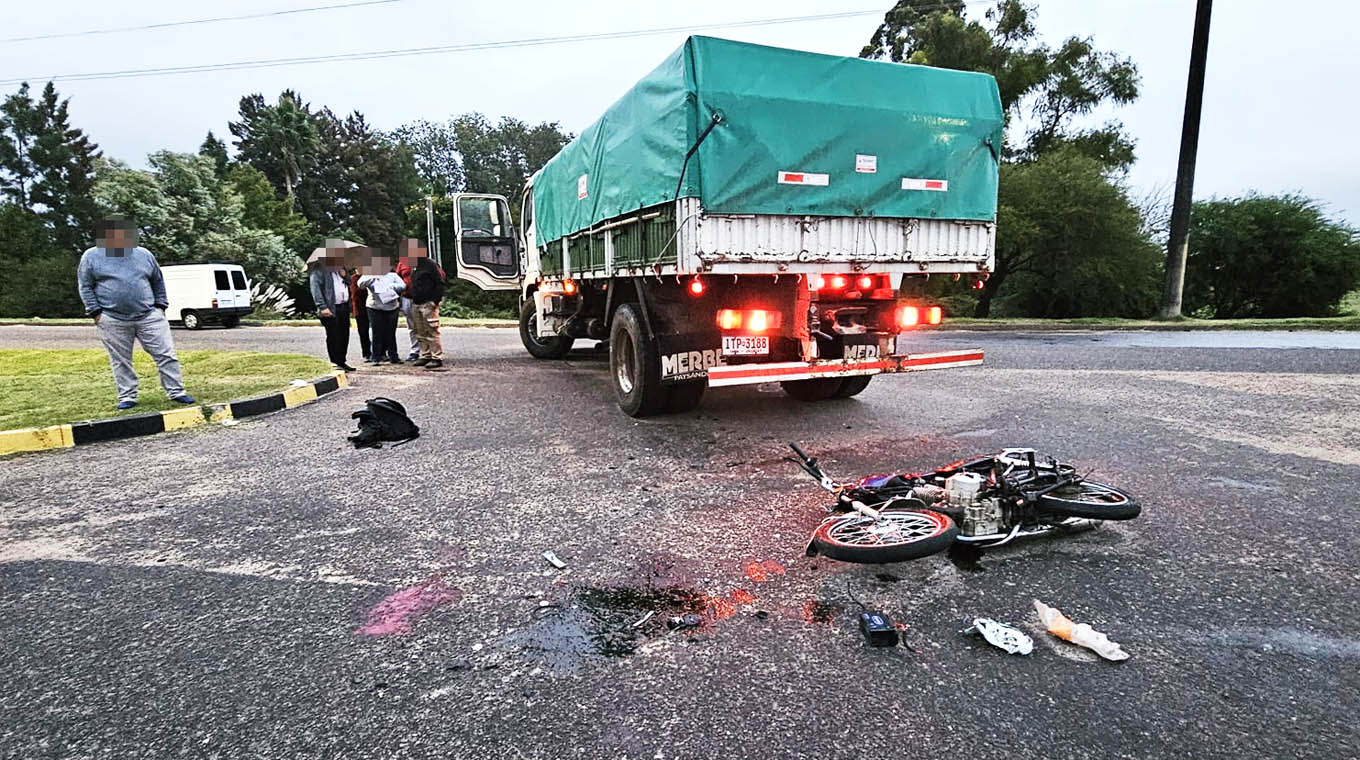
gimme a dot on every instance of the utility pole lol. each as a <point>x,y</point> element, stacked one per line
<point>1179,238</point>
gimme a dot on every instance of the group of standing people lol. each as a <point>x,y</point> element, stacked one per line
<point>373,288</point>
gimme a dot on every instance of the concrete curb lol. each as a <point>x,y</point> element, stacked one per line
<point>131,426</point>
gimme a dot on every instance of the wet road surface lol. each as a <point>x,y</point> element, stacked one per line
<point>264,590</point>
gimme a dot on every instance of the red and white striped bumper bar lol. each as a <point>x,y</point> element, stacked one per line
<point>747,374</point>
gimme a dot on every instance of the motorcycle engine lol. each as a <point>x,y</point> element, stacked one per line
<point>982,516</point>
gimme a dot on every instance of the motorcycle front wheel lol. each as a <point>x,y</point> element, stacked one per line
<point>1089,499</point>
<point>896,536</point>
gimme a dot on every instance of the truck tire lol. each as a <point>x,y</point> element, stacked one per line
<point>230,322</point>
<point>191,319</point>
<point>539,348</point>
<point>685,397</point>
<point>634,366</point>
<point>853,386</point>
<point>816,389</point>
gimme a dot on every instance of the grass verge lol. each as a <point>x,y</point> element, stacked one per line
<point>40,387</point>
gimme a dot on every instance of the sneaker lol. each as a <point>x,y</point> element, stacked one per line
<point>183,398</point>
<point>434,364</point>
<point>394,360</point>
<point>413,356</point>
<point>420,362</point>
<point>345,367</point>
<point>126,404</point>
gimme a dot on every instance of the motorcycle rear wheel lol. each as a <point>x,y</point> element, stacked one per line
<point>896,536</point>
<point>1089,499</point>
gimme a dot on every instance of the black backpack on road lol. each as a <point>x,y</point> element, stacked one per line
<point>382,419</point>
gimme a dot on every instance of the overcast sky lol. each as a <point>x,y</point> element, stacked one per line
<point>1279,109</point>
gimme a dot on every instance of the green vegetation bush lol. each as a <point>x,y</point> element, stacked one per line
<point>1268,256</point>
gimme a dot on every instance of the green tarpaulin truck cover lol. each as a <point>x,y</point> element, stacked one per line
<point>797,133</point>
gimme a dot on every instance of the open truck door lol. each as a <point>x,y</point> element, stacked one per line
<point>486,246</point>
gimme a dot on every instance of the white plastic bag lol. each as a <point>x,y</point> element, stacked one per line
<point>1059,625</point>
<point>1002,636</point>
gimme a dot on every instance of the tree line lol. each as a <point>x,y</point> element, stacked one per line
<point>1071,239</point>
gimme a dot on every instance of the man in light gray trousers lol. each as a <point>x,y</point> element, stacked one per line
<point>122,288</point>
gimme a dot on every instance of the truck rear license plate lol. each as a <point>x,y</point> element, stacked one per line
<point>745,345</point>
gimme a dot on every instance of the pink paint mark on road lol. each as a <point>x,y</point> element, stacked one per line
<point>398,612</point>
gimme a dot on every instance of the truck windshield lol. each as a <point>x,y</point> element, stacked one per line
<point>483,218</point>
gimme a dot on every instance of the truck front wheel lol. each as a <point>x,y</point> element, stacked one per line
<point>539,348</point>
<point>634,365</point>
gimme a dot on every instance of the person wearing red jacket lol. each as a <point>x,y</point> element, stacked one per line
<point>356,300</point>
<point>404,270</point>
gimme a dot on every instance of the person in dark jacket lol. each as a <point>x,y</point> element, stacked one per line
<point>426,292</point>
<point>330,292</point>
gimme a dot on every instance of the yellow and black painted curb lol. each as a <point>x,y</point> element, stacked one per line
<point>133,425</point>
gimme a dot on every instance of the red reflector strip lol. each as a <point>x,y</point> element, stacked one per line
<point>917,183</point>
<point>746,374</point>
<point>946,357</point>
<point>804,178</point>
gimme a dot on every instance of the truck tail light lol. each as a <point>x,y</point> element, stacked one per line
<point>934,315</point>
<point>908,316</point>
<point>750,320</point>
<point>838,282</point>
<point>865,282</point>
<point>696,287</point>
<point>214,303</point>
<point>569,287</point>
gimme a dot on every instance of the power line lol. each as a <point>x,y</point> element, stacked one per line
<point>464,47</point>
<point>167,24</point>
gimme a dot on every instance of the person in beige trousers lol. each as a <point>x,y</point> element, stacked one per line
<point>426,291</point>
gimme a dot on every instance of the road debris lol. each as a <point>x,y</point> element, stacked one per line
<point>688,620</point>
<point>878,629</point>
<point>553,560</point>
<point>643,619</point>
<point>1061,626</point>
<point>1001,635</point>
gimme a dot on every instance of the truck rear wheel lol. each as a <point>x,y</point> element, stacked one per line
<point>816,389</point>
<point>634,365</point>
<point>853,386</point>
<point>230,322</point>
<point>539,348</point>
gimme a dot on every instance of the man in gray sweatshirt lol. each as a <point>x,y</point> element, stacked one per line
<point>122,288</point>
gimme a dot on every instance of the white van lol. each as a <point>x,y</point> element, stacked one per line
<point>201,293</point>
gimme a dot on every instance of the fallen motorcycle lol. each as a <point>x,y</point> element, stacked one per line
<point>987,501</point>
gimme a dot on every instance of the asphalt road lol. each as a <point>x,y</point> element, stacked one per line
<point>264,590</point>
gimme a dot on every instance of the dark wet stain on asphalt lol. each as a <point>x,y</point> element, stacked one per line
<point>966,557</point>
<point>606,622</point>
<point>816,611</point>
